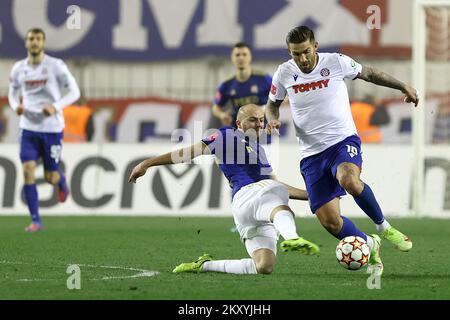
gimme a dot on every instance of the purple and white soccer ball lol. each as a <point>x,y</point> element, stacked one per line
<point>352,252</point>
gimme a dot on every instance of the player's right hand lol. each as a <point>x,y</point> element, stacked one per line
<point>226,119</point>
<point>138,171</point>
<point>411,95</point>
<point>20,109</point>
<point>273,126</point>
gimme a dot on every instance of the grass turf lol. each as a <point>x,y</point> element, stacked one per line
<point>33,266</point>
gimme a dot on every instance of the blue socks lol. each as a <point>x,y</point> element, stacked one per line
<point>349,229</point>
<point>31,197</point>
<point>367,202</point>
<point>62,181</point>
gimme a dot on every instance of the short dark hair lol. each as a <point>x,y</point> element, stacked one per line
<point>300,34</point>
<point>242,45</point>
<point>35,30</point>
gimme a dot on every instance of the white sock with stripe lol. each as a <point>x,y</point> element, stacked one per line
<point>243,266</point>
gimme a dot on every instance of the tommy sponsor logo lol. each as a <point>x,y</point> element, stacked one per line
<point>311,86</point>
<point>35,83</point>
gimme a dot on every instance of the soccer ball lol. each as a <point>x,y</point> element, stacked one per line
<point>352,252</point>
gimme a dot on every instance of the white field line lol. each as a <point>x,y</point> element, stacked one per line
<point>140,272</point>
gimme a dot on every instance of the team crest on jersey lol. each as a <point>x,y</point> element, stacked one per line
<point>254,89</point>
<point>233,92</point>
<point>325,72</point>
<point>295,77</point>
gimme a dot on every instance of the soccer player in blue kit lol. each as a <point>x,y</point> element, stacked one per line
<point>330,147</point>
<point>247,86</point>
<point>40,80</point>
<point>259,202</point>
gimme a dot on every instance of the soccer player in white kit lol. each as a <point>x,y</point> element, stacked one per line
<point>40,79</point>
<point>259,202</point>
<point>330,147</point>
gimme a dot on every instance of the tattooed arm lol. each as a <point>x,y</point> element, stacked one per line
<point>380,78</point>
<point>272,112</point>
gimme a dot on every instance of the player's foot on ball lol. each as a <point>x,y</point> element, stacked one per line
<point>300,244</point>
<point>375,264</point>
<point>398,239</point>
<point>195,266</point>
<point>63,193</point>
<point>33,227</point>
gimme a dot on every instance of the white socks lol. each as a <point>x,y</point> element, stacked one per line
<point>285,224</point>
<point>243,266</point>
<point>383,226</point>
<point>370,242</point>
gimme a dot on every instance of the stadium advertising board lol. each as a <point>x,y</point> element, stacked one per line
<point>98,177</point>
<point>145,30</point>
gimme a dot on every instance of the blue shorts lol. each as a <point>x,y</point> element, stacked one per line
<point>319,171</point>
<point>35,145</point>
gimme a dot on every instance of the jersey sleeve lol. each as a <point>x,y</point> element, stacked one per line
<point>215,141</point>
<point>14,88</point>
<point>350,68</point>
<point>220,143</point>
<point>66,80</point>
<point>277,90</point>
<point>220,97</point>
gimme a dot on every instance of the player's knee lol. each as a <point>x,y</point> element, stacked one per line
<point>264,267</point>
<point>332,226</point>
<point>52,177</point>
<point>28,173</point>
<point>351,184</point>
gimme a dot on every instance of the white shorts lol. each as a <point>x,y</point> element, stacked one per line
<point>252,207</point>
<point>260,242</point>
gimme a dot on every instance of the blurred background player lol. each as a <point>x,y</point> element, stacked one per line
<point>369,115</point>
<point>259,202</point>
<point>40,79</point>
<point>245,87</point>
<point>330,147</point>
<point>79,122</point>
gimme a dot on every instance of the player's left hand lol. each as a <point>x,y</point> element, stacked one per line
<point>138,171</point>
<point>49,110</point>
<point>411,95</point>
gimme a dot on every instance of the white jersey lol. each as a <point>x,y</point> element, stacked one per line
<point>41,86</point>
<point>319,100</point>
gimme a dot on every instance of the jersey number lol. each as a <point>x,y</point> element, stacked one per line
<point>55,152</point>
<point>352,151</point>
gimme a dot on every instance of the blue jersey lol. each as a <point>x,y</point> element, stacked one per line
<point>241,159</point>
<point>253,91</point>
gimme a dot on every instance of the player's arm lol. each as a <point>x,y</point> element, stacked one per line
<point>183,155</point>
<point>294,193</point>
<point>224,116</point>
<point>381,78</point>
<point>14,93</point>
<point>272,112</point>
<point>65,80</point>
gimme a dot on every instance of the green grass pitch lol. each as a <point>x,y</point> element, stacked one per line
<point>114,254</point>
